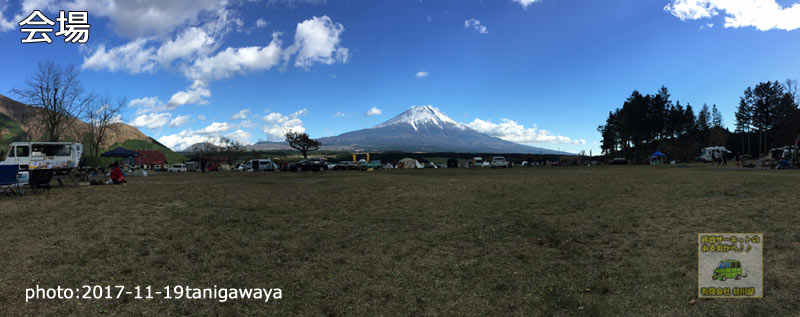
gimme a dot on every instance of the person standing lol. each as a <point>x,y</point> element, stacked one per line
<point>203,165</point>
<point>724,160</point>
<point>713,159</point>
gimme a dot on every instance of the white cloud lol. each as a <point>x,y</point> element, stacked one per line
<point>422,74</point>
<point>242,114</point>
<point>179,121</point>
<point>241,136</point>
<point>510,130</point>
<point>374,111</point>
<point>260,23</point>
<point>201,117</point>
<point>246,124</point>
<point>190,43</point>
<point>5,25</point>
<point>294,3</point>
<point>151,120</point>
<point>190,96</point>
<point>339,114</point>
<point>233,61</point>
<point>317,40</point>
<point>149,104</point>
<point>762,14</point>
<point>215,127</point>
<point>525,3</point>
<point>186,138</point>
<point>476,24</point>
<point>133,57</point>
<point>278,124</point>
<point>134,19</point>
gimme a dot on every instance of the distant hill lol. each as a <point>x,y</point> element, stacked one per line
<point>200,147</point>
<point>171,156</point>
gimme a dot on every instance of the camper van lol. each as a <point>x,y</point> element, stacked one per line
<point>728,269</point>
<point>260,165</point>
<point>31,155</point>
<point>718,151</point>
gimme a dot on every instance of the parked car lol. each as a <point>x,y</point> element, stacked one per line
<point>260,165</point>
<point>452,163</point>
<point>345,166</point>
<point>312,164</point>
<point>158,167</point>
<point>364,165</point>
<point>499,162</point>
<point>177,168</point>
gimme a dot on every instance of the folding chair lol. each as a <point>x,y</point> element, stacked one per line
<point>9,181</point>
<point>40,180</point>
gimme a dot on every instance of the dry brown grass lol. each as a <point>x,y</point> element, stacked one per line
<point>424,242</point>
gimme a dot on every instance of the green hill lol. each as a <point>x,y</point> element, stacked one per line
<point>171,156</point>
<point>10,131</point>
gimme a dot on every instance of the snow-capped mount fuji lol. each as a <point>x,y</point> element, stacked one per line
<point>423,117</point>
<point>425,129</point>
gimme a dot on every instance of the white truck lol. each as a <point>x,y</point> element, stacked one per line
<point>33,155</point>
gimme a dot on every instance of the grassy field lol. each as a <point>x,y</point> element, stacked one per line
<point>538,241</point>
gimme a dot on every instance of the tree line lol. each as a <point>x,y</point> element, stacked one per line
<point>767,116</point>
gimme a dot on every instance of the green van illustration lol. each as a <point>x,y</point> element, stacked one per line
<point>728,269</point>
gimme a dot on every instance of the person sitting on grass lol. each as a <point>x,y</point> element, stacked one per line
<point>117,177</point>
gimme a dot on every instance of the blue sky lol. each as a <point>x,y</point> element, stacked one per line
<point>539,72</point>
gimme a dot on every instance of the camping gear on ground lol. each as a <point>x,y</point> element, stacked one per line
<point>9,183</point>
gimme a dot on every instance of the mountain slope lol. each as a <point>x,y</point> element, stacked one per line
<point>18,123</point>
<point>419,129</point>
<point>25,117</point>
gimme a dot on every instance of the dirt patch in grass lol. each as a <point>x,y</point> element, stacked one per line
<point>522,241</point>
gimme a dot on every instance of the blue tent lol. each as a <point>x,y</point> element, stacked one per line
<point>120,152</point>
<point>658,154</point>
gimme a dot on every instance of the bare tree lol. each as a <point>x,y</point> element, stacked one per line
<point>101,114</point>
<point>58,93</point>
<point>301,142</point>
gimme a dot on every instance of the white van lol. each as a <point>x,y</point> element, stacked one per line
<point>177,168</point>
<point>260,165</point>
<point>31,155</point>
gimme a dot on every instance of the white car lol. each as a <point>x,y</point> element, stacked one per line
<point>260,165</point>
<point>499,162</point>
<point>177,168</point>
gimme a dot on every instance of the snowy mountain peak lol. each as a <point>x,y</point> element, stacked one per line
<point>423,116</point>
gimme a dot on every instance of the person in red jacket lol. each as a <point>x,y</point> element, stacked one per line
<point>116,175</point>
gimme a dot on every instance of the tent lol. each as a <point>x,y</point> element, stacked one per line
<point>123,153</point>
<point>120,152</point>
<point>409,163</point>
<point>657,158</point>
